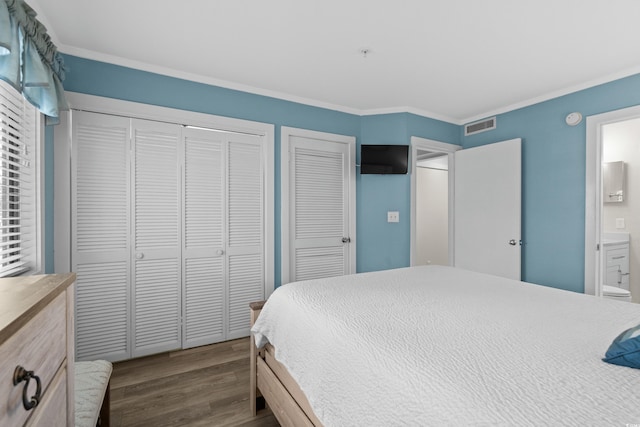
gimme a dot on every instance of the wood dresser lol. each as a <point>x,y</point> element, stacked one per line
<point>37,350</point>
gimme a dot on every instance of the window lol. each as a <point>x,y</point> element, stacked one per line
<point>20,163</point>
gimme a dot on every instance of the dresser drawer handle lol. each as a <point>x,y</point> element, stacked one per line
<point>21,374</point>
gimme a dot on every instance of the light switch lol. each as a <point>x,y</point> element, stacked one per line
<point>619,222</point>
<point>393,216</point>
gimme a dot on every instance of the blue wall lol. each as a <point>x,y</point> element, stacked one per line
<point>379,245</point>
<point>553,160</point>
<point>383,245</point>
<point>553,177</point>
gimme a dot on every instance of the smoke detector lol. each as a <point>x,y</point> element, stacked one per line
<point>573,119</point>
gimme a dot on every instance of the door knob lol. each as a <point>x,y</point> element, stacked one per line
<point>512,242</point>
<point>346,240</point>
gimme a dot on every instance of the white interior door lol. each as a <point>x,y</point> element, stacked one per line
<point>318,205</point>
<point>245,253</point>
<point>157,236</point>
<point>100,235</point>
<point>224,228</point>
<point>488,209</point>
<point>204,278</point>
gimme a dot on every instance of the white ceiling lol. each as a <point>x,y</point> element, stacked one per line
<point>455,60</point>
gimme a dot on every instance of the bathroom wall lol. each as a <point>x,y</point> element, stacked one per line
<point>621,142</point>
<point>432,216</point>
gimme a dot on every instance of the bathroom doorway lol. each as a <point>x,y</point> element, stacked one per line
<point>612,206</point>
<point>432,202</point>
<point>620,220</point>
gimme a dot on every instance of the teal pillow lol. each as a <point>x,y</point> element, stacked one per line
<point>625,349</point>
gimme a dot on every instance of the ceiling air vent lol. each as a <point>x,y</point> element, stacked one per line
<point>481,126</point>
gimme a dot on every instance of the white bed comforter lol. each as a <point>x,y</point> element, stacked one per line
<point>437,346</point>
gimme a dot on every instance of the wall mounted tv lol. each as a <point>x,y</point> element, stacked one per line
<point>384,159</point>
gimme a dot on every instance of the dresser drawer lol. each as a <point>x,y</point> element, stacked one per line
<point>52,412</point>
<point>40,346</point>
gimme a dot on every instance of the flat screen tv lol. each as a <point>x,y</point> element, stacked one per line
<point>384,159</point>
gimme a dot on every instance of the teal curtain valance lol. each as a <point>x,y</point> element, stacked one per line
<point>29,60</point>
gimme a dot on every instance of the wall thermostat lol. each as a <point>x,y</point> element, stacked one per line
<point>573,119</point>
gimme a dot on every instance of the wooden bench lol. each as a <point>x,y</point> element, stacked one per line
<point>92,393</point>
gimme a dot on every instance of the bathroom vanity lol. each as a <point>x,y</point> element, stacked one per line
<point>615,260</point>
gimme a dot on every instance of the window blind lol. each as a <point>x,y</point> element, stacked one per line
<point>18,184</point>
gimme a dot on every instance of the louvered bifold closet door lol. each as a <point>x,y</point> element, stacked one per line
<point>318,208</point>
<point>204,303</point>
<point>246,229</point>
<point>100,248</point>
<point>157,234</point>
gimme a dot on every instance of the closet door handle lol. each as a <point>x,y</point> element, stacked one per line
<point>139,255</point>
<point>219,252</point>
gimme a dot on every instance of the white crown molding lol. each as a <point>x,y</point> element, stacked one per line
<point>411,110</point>
<point>165,71</point>
<point>111,59</point>
<point>138,65</point>
<point>555,94</point>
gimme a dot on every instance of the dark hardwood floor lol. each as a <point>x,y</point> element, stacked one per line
<point>204,386</point>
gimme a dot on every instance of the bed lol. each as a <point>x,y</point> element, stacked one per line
<point>439,346</point>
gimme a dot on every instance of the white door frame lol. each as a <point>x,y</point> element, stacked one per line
<point>285,136</point>
<point>593,195</point>
<point>418,143</point>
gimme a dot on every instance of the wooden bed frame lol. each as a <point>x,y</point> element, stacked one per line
<point>271,384</point>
